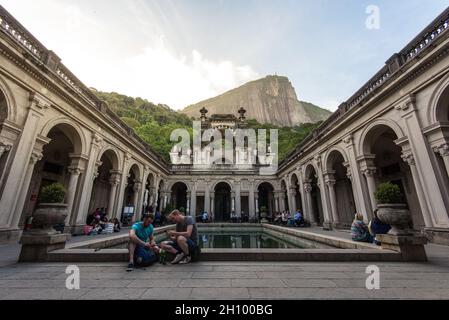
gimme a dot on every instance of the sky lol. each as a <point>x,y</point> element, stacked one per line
<point>179,52</point>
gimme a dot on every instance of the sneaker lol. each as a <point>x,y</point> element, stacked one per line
<point>185,260</point>
<point>130,267</point>
<point>178,258</point>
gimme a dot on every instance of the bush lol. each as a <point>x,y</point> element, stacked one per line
<point>389,193</point>
<point>53,193</point>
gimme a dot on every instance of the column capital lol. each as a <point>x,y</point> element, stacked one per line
<point>35,157</point>
<point>408,104</point>
<point>369,172</point>
<point>74,170</point>
<point>348,140</point>
<point>331,183</point>
<point>307,187</point>
<point>408,158</point>
<point>443,150</point>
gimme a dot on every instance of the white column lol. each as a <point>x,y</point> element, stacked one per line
<point>207,198</point>
<point>251,199</point>
<point>136,194</point>
<point>238,199</point>
<point>371,181</point>
<point>35,158</point>
<point>410,160</point>
<point>75,173</point>
<point>193,200</point>
<point>424,164</point>
<point>444,153</point>
<point>90,175</point>
<point>308,212</point>
<point>356,177</point>
<point>293,200</point>
<point>15,184</point>
<point>333,200</point>
<point>212,204</point>
<point>188,206</point>
<point>113,208</point>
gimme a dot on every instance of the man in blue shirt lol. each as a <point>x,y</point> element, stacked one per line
<point>298,219</point>
<point>141,238</point>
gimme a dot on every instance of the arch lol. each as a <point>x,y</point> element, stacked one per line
<point>267,182</point>
<point>439,102</point>
<point>10,101</point>
<point>213,187</point>
<point>173,182</point>
<point>112,155</point>
<point>136,170</point>
<point>222,201</point>
<point>179,192</point>
<point>369,134</point>
<point>330,154</point>
<point>294,179</point>
<point>71,129</point>
<point>310,168</point>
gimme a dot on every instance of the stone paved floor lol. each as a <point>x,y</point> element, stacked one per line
<point>227,280</point>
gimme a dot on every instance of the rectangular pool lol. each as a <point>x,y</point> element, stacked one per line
<point>242,240</point>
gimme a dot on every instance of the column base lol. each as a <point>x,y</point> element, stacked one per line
<point>411,247</point>
<point>437,235</point>
<point>35,247</point>
<point>327,226</point>
<point>10,235</point>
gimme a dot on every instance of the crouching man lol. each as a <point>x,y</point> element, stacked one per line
<point>184,240</point>
<point>142,247</point>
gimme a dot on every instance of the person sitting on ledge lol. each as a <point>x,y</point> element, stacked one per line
<point>234,217</point>
<point>184,240</point>
<point>359,230</point>
<point>142,247</point>
<point>376,227</point>
<point>299,220</point>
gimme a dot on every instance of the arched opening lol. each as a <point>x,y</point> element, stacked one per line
<point>104,184</point>
<point>222,202</point>
<point>131,196</point>
<point>4,148</point>
<point>342,188</point>
<point>179,196</point>
<point>295,189</point>
<point>284,198</point>
<point>148,195</point>
<point>386,158</point>
<point>266,199</point>
<point>54,167</point>
<point>314,202</point>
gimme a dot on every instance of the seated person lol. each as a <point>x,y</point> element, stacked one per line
<point>299,220</point>
<point>117,226</point>
<point>376,227</point>
<point>204,217</point>
<point>234,217</point>
<point>359,230</point>
<point>184,240</point>
<point>158,218</point>
<point>278,218</point>
<point>141,241</point>
<point>285,217</point>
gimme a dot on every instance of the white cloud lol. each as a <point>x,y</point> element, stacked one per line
<point>163,76</point>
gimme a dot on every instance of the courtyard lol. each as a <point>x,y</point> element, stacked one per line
<point>206,280</point>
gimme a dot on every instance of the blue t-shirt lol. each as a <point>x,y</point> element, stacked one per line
<point>141,232</point>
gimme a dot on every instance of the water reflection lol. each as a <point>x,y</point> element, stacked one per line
<point>242,241</point>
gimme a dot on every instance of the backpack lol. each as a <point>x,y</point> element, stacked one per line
<point>144,257</point>
<point>196,253</point>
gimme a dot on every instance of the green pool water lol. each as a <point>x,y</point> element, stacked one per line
<point>241,240</point>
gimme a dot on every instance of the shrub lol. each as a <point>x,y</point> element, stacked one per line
<point>389,193</point>
<point>53,193</point>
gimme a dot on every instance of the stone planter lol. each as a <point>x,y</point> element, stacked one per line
<point>397,216</point>
<point>48,215</point>
<point>263,216</point>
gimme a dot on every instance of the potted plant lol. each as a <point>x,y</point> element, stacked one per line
<point>51,210</point>
<point>263,214</point>
<point>392,208</point>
